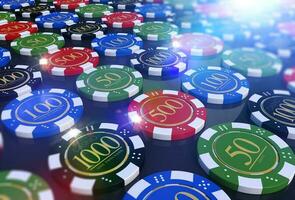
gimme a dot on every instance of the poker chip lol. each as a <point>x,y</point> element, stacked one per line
<point>69,4</point>
<point>42,113</point>
<point>94,10</point>
<point>6,17</point>
<point>252,62</point>
<point>119,151</point>
<point>162,61</point>
<point>175,184</point>
<point>37,43</point>
<point>116,44</point>
<point>19,184</point>
<point>289,78</point>
<point>154,11</point>
<point>109,83</point>
<point>189,22</point>
<point>215,85</point>
<point>126,5</point>
<point>5,57</point>
<point>280,44</point>
<point>18,80</point>
<point>246,158</point>
<point>15,4</point>
<point>274,111</point>
<point>156,31</point>
<point>287,28</point>
<point>69,61</point>
<point>167,114</point>
<point>57,20</point>
<point>34,11</point>
<point>198,44</point>
<point>13,30</point>
<point>122,19</point>
<point>84,30</point>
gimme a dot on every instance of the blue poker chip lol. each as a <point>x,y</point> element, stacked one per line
<point>215,85</point>
<point>5,57</point>
<point>42,113</point>
<point>281,44</point>
<point>175,185</point>
<point>57,20</point>
<point>161,62</point>
<point>16,4</point>
<point>154,11</point>
<point>117,44</point>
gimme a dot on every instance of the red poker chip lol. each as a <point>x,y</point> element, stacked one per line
<point>289,77</point>
<point>13,30</point>
<point>167,114</point>
<point>122,19</point>
<point>70,4</point>
<point>287,28</point>
<point>198,44</point>
<point>69,61</point>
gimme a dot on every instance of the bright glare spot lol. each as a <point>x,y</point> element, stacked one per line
<point>43,61</point>
<point>71,134</point>
<point>135,118</point>
<point>176,44</point>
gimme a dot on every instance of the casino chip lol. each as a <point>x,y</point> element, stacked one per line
<point>37,43</point>
<point>33,12</point>
<point>167,114</point>
<point>161,61</point>
<point>154,11</point>
<point>125,5</point>
<point>69,4</point>
<point>116,44</point>
<point>114,159</point>
<point>15,4</point>
<point>246,158</point>
<point>122,19</point>
<point>280,44</point>
<point>18,80</point>
<point>94,10</point>
<point>6,17</point>
<point>69,61</point>
<point>274,111</point>
<point>5,57</point>
<point>215,85</point>
<point>13,30</point>
<point>287,28</point>
<point>42,113</point>
<point>252,62</point>
<point>110,83</point>
<point>175,185</point>
<point>198,44</point>
<point>19,184</point>
<point>57,20</point>
<point>156,31</point>
<point>289,78</point>
<point>84,30</point>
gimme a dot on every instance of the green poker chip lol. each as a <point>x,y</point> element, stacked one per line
<point>6,17</point>
<point>252,62</point>
<point>94,10</point>
<point>156,31</point>
<point>246,158</point>
<point>109,83</point>
<point>37,44</point>
<point>18,184</point>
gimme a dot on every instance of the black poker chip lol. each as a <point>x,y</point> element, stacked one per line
<point>125,5</point>
<point>84,30</point>
<point>34,11</point>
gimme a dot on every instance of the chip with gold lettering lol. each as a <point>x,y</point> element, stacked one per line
<point>94,10</point>
<point>18,80</point>
<point>289,78</point>
<point>109,83</point>
<point>246,158</point>
<point>274,111</point>
<point>69,4</point>
<point>6,17</point>
<point>99,158</point>
<point>122,19</point>
<point>15,29</point>
<point>42,113</point>
<point>34,11</point>
<point>19,184</point>
<point>69,61</point>
<point>37,44</point>
<point>167,114</point>
<point>57,20</point>
<point>175,185</point>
